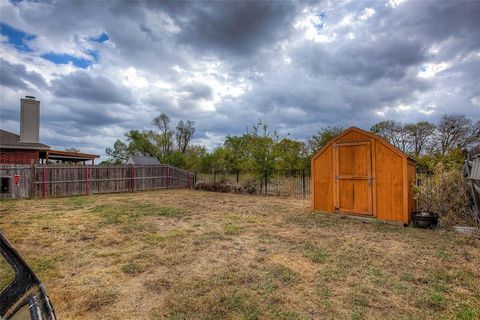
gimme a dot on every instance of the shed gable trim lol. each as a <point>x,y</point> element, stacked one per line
<point>367,133</point>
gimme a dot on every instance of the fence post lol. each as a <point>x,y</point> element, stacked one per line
<point>86,179</point>
<point>303,183</point>
<point>194,178</point>
<point>132,178</point>
<point>168,176</point>
<point>214,176</point>
<point>44,184</point>
<point>32,181</point>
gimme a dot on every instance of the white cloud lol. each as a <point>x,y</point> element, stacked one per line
<point>226,66</point>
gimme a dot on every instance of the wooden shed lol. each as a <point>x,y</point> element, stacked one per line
<point>360,173</point>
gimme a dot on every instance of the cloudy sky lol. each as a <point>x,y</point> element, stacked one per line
<point>102,68</point>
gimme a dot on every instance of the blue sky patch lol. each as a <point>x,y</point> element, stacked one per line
<point>65,59</point>
<point>17,38</point>
<point>94,54</point>
<point>101,38</point>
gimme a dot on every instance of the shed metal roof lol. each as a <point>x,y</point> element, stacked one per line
<point>143,161</point>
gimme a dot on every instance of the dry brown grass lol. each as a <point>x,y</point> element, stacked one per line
<point>183,254</point>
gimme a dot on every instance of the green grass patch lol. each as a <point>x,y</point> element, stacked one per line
<point>436,300</point>
<point>317,255</point>
<point>241,303</point>
<point>77,202</point>
<point>132,268</point>
<point>445,255</point>
<point>465,312</point>
<point>122,212</point>
<point>232,228</point>
<point>156,238</point>
<point>282,274</point>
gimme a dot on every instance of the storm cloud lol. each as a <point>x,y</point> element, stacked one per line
<point>80,85</point>
<point>296,65</point>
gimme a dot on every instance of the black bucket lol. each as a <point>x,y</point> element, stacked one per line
<point>425,221</point>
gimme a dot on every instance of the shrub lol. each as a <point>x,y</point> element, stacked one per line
<point>249,186</point>
<point>445,193</point>
<point>220,186</point>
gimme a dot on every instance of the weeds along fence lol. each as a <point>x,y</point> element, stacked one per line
<point>288,183</point>
<point>19,181</point>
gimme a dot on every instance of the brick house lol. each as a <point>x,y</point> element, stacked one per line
<point>26,148</point>
<point>14,151</point>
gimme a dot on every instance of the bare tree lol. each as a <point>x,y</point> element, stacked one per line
<point>162,121</point>
<point>456,131</point>
<point>184,134</point>
<point>394,132</point>
<point>420,136</point>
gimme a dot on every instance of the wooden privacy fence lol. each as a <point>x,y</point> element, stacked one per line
<point>60,181</point>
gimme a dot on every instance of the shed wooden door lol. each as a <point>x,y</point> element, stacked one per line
<point>353,177</point>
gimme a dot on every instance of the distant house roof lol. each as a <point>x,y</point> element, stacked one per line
<point>10,140</point>
<point>143,161</point>
<point>68,156</point>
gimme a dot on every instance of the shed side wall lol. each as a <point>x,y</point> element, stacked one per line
<point>323,181</point>
<point>389,184</point>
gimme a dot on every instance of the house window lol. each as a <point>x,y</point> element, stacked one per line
<point>5,184</point>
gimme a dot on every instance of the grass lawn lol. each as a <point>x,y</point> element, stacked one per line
<point>183,254</point>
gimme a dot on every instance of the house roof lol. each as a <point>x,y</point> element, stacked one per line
<point>143,161</point>
<point>68,156</point>
<point>10,140</point>
<point>369,134</point>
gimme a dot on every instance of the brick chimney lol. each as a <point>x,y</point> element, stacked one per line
<point>29,120</point>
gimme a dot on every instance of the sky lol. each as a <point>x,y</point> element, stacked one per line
<point>101,68</point>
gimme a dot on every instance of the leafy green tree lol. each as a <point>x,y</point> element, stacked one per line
<point>322,137</point>
<point>290,155</point>
<point>237,152</point>
<point>119,153</point>
<point>453,159</point>
<point>142,142</point>
<point>216,161</point>
<point>260,148</point>
<point>193,157</point>
<point>175,158</point>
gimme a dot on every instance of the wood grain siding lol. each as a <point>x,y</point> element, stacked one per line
<point>361,173</point>
<point>353,169</point>
<point>323,181</point>
<point>389,184</point>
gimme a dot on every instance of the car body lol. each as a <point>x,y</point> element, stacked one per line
<point>23,296</point>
